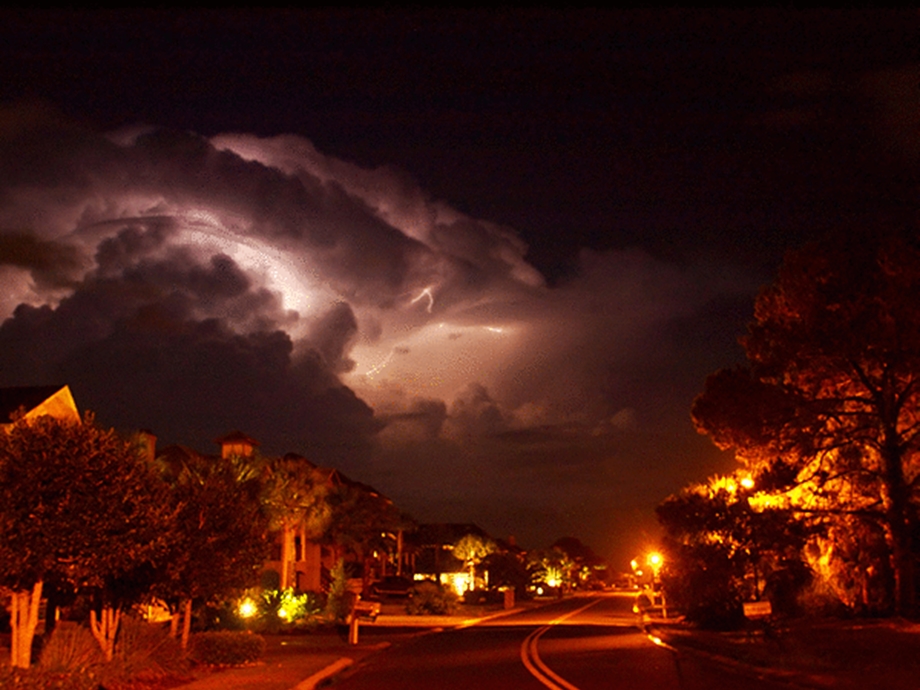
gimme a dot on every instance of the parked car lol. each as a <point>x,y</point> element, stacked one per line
<point>392,586</point>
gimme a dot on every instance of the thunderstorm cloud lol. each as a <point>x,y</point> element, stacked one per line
<point>196,285</point>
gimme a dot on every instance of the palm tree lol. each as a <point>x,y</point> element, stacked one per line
<point>296,493</point>
<point>472,549</point>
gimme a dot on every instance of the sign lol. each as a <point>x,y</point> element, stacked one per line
<point>757,609</point>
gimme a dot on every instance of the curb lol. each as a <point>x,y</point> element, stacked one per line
<point>318,677</point>
<point>792,678</point>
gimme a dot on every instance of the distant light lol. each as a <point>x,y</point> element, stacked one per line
<point>247,608</point>
<point>747,483</point>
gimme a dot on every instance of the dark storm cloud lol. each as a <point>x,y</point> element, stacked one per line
<point>50,264</point>
<point>340,312</point>
<point>188,349</point>
<point>332,335</point>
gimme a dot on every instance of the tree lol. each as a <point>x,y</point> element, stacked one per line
<point>828,406</point>
<point>509,569</point>
<point>586,561</point>
<point>295,495</point>
<point>471,549</point>
<point>361,523</point>
<point>726,544</point>
<point>79,504</point>
<point>553,565</point>
<point>220,539</point>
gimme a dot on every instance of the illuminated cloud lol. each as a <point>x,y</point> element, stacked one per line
<point>195,286</point>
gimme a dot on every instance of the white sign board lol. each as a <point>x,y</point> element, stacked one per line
<point>757,609</point>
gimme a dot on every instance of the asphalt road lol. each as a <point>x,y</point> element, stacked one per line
<point>582,643</point>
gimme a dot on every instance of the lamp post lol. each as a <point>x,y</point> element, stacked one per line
<point>655,560</point>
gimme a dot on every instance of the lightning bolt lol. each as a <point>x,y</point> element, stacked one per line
<point>425,293</point>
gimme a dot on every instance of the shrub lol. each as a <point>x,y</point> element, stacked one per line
<point>145,650</point>
<point>427,598</point>
<point>285,609</point>
<point>226,648</point>
<point>37,678</point>
<point>70,648</point>
<point>337,604</point>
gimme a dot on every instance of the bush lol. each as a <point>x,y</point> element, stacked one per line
<point>145,650</point>
<point>70,648</point>
<point>226,648</point>
<point>337,604</point>
<point>427,598</point>
<point>37,678</point>
<point>279,610</point>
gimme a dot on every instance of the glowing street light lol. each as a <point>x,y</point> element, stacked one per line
<point>656,560</point>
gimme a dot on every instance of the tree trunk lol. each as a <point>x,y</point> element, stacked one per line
<point>105,628</point>
<point>23,621</point>
<point>287,552</point>
<point>186,622</point>
<point>897,527</point>
<point>902,565</point>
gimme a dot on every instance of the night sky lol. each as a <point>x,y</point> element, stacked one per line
<point>482,261</point>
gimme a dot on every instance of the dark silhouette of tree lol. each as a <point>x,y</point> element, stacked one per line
<point>509,569</point>
<point>828,406</point>
<point>295,496</point>
<point>77,504</point>
<point>362,521</point>
<point>219,541</point>
<point>586,561</point>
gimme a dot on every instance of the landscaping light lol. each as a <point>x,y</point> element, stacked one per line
<point>247,608</point>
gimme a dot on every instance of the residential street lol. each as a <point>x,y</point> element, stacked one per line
<point>581,643</point>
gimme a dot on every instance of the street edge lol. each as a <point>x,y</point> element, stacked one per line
<point>318,677</point>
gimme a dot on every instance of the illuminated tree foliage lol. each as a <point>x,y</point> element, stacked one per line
<point>472,549</point>
<point>552,566</point>
<point>725,547</point>
<point>828,406</point>
<point>79,505</point>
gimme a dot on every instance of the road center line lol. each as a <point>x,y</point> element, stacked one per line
<point>530,656</point>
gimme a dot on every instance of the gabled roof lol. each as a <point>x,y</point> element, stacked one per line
<point>236,437</point>
<point>31,397</point>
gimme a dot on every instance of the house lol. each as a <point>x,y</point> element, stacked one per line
<point>433,557</point>
<point>296,558</point>
<point>36,401</point>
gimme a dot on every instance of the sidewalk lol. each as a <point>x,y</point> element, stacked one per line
<point>303,661</point>
<point>812,653</point>
<point>290,662</point>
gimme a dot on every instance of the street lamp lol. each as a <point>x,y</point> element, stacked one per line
<point>655,560</point>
